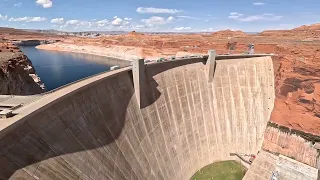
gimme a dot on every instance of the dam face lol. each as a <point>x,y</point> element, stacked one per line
<point>95,129</point>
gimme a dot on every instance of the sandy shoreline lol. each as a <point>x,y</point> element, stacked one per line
<point>119,52</point>
<point>128,53</point>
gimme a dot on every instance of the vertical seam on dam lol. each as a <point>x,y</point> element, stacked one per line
<point>190,102</point>
<point>202,109</point>
<point>163,137</point>
<point>183,120</point>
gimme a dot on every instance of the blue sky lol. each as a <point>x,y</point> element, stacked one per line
<point>160,15</point>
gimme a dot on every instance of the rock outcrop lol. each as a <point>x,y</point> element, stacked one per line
<point>229,33</point>
<point>134,33</point>
<point>302,33</point>
<point>17,75</point>
<point>312,27</point>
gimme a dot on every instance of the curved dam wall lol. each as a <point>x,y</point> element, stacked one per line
<point>94,129</point>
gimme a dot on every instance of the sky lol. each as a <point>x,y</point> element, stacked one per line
<point>158,16</point>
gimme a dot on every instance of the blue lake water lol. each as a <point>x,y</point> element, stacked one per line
<point>56,69</point>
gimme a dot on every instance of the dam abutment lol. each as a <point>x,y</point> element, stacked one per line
<point>211,65</point>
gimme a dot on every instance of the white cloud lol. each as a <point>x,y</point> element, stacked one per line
<point>235,14</point>
<point>258,3</point>
<point>157,20</point>
<point>151,10</point>
<point>119,22</point>
<point>182,28</point>
<point>188,17</point>
<point>127,19</point>
<point>3,17</point>
<point>45,3</point>
<point>263,17</point>
<point>102,23</point>
<point>37,19</point>
<point>57,21</point>
<point>17,4</point>
<point>138,27</point>
<point>170,19</point>
<point>95,24</point>
<point>208,30</point>
<point>78,24</point>
<point>72,22</point>
<point>28,19</point>
<point>19,19</point>
<point>115,17</point>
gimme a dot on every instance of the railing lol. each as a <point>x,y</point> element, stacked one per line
<point>244,160</point>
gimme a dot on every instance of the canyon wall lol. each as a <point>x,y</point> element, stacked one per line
<point>17,75</point>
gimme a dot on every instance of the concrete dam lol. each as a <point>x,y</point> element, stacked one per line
<point>156,121</point>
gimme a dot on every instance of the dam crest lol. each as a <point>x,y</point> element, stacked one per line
<point>161,121</point>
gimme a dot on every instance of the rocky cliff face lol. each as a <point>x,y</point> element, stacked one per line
<point>297,104</point>
<point>17,75</point>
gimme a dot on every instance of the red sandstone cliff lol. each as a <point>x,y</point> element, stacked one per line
<point>312,27</point>
<point>304,33</point>
<point>17,75</point>
<point>297,103</point>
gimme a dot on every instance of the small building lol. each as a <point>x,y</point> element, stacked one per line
<point>251,49</point>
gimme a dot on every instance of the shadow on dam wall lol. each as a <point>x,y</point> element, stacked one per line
<point>83,121</point>
<point>151,92</point>
<point>94,129</point>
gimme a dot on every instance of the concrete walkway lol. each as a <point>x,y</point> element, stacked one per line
<point>8,103</point>
<point>268,166</point>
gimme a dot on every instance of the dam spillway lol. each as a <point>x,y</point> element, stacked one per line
<point>95,128</point>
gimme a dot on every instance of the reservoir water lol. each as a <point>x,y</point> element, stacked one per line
<point>56,69</point>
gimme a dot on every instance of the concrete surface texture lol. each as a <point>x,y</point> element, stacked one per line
<point>268,166</point>
<point>94,129</point>
<point>290,145</point>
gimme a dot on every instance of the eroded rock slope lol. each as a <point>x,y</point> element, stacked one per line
<point>17,75</point>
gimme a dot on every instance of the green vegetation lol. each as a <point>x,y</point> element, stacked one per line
<point>226,170</point>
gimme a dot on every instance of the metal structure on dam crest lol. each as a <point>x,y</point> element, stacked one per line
<point>156,121</point>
